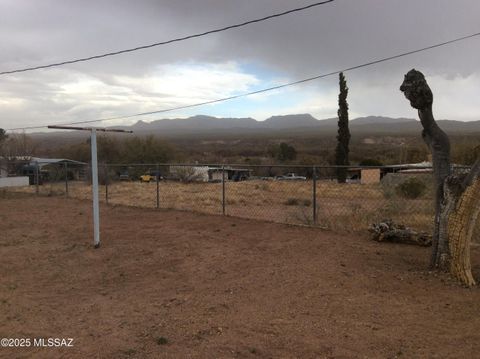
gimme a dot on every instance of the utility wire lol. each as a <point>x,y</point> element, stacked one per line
<point>83,59</point>
<point>366,64</point>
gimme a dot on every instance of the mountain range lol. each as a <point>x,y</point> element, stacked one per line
<point>287,125</point>
<point>201,124</point>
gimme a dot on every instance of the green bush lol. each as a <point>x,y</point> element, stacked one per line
<point>412,188</point>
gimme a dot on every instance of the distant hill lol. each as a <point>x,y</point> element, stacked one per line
<point>371,124</point>
<point>201,124</point>
<point>287,125</point>
<point>290,121</point>
<point>195,123</point>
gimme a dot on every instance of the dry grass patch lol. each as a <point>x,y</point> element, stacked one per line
<point>349,206</point>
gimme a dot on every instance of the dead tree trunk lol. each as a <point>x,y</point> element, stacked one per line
<point>463,199</point>
<point>457,202</point>
<point>416,90</point>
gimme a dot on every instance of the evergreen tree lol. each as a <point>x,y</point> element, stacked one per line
<point>282,152</point>
<point>286,152</point>
<point>343,137</point>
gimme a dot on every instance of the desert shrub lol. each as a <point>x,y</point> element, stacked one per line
<point>262,187</point>
<point>297,202</point>
<point>187,174</point>
<point>412,188</point>
<point>370,162</point>
<point>388,191</point>
<point>162,341</point>
<point>292,202</point>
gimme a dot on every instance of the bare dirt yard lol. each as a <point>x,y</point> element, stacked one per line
<point>171,284</point>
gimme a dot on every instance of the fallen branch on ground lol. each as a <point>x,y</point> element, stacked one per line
<point>388,231</point>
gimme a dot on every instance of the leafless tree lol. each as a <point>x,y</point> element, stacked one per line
<point>457,198</point>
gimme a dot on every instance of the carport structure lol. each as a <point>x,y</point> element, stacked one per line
<point>39,169</point>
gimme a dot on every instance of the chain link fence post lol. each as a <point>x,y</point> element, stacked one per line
<point>223,189</point>
<point>65,165</point>
<point>157,175</point>
<point>314,194</point>
<point>37,178</point>
<point>106,183</point>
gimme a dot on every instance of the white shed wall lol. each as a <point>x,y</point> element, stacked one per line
<point>13,181</point>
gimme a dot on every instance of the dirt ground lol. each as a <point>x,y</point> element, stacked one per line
<point>171,284</point>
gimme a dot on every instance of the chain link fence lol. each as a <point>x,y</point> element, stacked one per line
<point>302,195</point>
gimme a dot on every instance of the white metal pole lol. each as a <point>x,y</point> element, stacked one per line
<point>93,145</point>
<point>96,210</point>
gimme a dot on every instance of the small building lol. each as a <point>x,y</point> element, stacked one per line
<point>46,169</point>
<point>8,177</point>
<point>394,175</point>
<point>52,169</point>
<point>370,175</point>
<point>215,174</point>
<point>209,174</point>
<point>231,174</point>
<point>239,174</point>
<point>13,181</point>
<point>364,175</point>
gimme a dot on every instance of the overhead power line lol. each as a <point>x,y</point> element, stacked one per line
<point>366,64</point>
<point>83,59</point>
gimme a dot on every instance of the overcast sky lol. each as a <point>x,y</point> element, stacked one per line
<point>326,38</point>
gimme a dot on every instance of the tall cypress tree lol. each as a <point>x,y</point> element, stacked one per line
<point>343,137</point>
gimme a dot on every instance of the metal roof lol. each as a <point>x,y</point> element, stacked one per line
<point>47,161</point>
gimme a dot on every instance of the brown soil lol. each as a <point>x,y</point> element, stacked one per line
<point>219,287</point>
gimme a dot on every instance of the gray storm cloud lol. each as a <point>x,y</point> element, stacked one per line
<point>326,38</point>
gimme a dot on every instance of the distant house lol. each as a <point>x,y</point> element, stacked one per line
<point>23,170</point>
<point>231,174</point>
<point>54,161</point>
<point>364,175</point>
<point>208,173</point>
<point>369,175</point>
<point>239,174</point>
<point>52,169</point>
<point>388,173</point>
<point>8,178</point>
<point>395,174</point>
<point>424,167</point>
<point>11,166</point>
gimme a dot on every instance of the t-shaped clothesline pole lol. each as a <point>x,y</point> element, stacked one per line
<point>93,146</point>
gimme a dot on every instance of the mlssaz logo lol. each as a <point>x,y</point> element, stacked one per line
<point>53,342</point>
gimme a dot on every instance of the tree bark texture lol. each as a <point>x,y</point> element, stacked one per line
<point>418,92</point>
<point>457,198</point>
<point>463,198</point>
<point>461,223</point>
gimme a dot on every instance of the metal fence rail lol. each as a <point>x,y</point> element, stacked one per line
<point>307,195</point>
